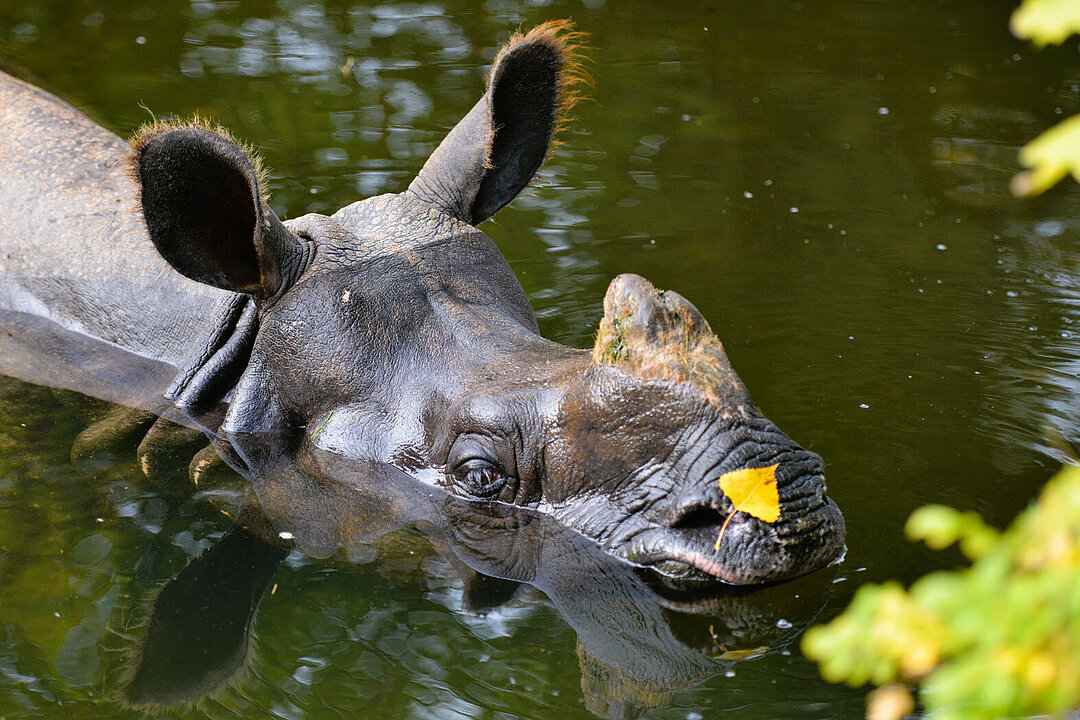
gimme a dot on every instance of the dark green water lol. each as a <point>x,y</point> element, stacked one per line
<point>826,181</point>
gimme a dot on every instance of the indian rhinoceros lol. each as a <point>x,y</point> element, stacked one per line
<point>394,330</point>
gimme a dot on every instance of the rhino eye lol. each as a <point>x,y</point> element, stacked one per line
<point>481,479</point>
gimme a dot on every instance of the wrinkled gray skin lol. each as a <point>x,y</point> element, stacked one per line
<point>393,330</point>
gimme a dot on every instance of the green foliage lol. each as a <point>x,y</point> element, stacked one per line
<point>1055,153</point>
<point>940,526</point>
<point>1000,638</point>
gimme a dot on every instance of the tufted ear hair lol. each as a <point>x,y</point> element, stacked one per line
<point>660,335</point>
<point>201,197</point>
<point>494,151</point>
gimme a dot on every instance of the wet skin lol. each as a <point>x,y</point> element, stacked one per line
<point>395,331</point>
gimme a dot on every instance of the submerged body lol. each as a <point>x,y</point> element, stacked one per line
<point>395,331</point>
<point>76,264</point>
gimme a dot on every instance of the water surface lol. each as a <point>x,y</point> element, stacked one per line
<point>826,181</point>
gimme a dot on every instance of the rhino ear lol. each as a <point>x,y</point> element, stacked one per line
<point>658,335</point>
<point>201,199</point>
<point>493,153</point>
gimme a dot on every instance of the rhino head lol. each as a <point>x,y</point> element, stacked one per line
<point>394,330</point>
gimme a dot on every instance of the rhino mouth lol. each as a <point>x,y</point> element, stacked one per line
<point>751,551</point>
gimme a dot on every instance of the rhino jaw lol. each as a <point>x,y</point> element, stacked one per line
<point>751,552</point>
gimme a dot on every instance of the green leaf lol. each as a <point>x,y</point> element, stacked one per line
<point>936,525</point>
<point>940,526</point>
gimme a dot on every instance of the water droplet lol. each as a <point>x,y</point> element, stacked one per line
<point>285,535</point>
<point>783,624</point>
<point>883,111</point>
<point>1049,228</point>
<point>140,40</point>
<point>942,246</point>
<point>864,406</point>
<point>794,209</point>
<point>747,194</point>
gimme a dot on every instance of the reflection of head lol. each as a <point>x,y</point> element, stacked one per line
<point>638,642</point>
<point>611,692</point>
<point>693,634</point>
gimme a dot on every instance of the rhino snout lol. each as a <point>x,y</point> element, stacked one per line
<point>705,533</point>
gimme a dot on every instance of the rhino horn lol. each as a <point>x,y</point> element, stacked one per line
<point>659,335</point>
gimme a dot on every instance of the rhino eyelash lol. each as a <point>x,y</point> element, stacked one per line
<point>481,479</point>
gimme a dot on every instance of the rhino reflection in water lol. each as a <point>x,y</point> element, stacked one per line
<point>394,330</point>
<point>638,643</point>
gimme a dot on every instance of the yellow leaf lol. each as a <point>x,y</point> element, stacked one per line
<point>752,491</point>
<point>746,654</point>
<point>1046,22</point>
<point>889,703</point>
<point>1051,156</point>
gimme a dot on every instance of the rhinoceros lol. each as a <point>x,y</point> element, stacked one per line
<point>395,331</point>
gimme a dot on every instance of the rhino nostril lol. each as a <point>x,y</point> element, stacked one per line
<point>699,518</point>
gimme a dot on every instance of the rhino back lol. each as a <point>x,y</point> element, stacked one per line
<point>73,246</point>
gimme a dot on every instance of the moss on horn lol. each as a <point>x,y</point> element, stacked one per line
<point>658,335</point>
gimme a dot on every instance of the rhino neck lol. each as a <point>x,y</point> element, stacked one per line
<point>99,310</point>
<point>217,361</point>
